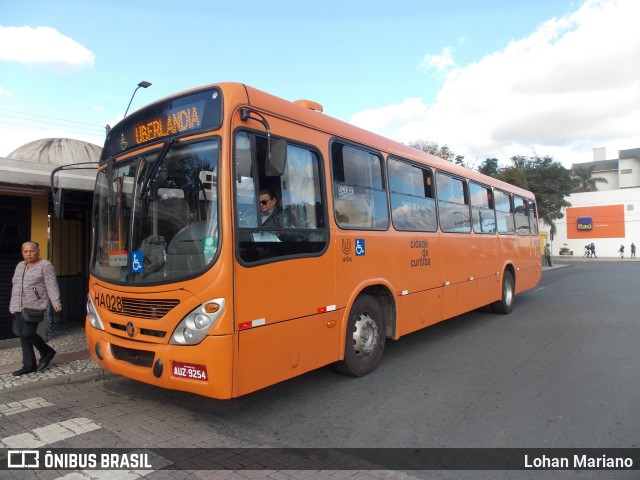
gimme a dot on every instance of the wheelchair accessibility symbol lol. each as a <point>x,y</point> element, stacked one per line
<point>360,251</point>
<point>137,263</point>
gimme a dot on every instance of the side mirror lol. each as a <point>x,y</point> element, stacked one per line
<point>277,157</point>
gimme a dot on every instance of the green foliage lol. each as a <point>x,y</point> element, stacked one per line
<point>489,167</point>
<point>584,179</point>
<point>549,181</point>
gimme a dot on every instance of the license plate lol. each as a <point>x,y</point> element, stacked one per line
<point>189,370</point>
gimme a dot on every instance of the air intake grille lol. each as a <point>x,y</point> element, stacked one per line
<point>146,308</point>
<point>141,358</point>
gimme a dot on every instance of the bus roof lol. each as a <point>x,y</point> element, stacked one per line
<point>241,94</point>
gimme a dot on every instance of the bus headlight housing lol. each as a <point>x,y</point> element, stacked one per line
<point>92,315</point>
<point>195,326</point>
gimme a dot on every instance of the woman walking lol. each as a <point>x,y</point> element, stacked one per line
<point>34,285</point>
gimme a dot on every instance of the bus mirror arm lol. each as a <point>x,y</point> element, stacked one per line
<point>276,157</point>
<point>58,192</point>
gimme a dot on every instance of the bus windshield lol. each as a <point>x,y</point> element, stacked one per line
<point>155,214</point>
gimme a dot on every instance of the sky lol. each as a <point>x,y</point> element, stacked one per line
<point>487,78</point>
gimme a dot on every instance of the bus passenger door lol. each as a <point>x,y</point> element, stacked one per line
<point>284,273</point>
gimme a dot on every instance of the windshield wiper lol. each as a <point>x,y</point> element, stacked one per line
<point>154,168</point>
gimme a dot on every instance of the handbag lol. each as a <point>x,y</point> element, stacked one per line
<point>31,315</point>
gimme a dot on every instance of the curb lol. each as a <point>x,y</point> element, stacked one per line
<point>59,359</point>
<point>74,378</point>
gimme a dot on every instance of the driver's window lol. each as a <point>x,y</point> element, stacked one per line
<point>277,215</point>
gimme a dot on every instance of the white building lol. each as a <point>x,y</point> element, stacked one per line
<point>608,217</point>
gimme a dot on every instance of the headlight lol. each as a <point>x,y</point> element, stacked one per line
<point>195,326</point>
<point>92,315</point>
<point>201,321</point>
<point>187,335</point>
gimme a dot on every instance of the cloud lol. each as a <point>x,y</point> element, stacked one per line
<point>570,86</point>
<point>44,47</point>
<point>410,110</point>
<point>5,93</point>
<point>441,62</point>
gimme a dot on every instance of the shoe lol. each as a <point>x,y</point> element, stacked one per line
<point>44,361</point>
<point>23,370</point>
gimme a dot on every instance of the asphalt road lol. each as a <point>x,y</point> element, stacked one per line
<point>562,370</point>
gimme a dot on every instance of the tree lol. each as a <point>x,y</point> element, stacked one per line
<point>459,160</point>
<point>547,179</point>
<point>585,181</point>
<point>489,167</point>
<point>433,148</point>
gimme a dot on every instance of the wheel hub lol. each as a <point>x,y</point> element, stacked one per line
<point>365,335</point>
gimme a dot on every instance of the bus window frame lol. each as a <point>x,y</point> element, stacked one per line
<point>423,167</point>
<point>467,200</point>
<point>525,214</point>
<point>492,207</point>
<point>532,207</point>
<point>383,180</point>
<point>509,195</point>
<point>253,133</point>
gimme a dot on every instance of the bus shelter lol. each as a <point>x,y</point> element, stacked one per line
<point>26,210</point>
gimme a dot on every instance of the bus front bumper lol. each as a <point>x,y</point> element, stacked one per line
<point>204,369</point>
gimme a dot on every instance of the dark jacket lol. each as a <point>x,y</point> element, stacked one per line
<point>278,218</point>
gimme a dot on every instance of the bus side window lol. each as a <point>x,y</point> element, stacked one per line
<point>504,212</point>
<point>453,204</point>
<point>359,196</point>
<point>482,212</point>
<point>413,206</point>
<point>521,213</point>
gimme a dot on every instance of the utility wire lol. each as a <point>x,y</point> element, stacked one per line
<point>56,121</point>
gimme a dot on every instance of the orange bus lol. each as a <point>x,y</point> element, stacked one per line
<point>240,240</point>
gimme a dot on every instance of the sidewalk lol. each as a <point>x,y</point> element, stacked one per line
<point>576,258</point>
<point>70,365</point>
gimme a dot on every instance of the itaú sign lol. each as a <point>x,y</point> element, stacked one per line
<point>585,224</point>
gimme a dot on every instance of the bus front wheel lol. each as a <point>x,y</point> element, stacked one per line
<point>365,338</point>
<point>505,304</point>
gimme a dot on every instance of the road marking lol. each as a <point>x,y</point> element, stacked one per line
<point>39,437</point>
<point>26,405</point>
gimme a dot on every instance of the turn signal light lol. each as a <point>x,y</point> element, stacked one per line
<point>211,307</point>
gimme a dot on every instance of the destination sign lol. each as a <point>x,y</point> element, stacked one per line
<point>171,122</point>
<point>187,114</point>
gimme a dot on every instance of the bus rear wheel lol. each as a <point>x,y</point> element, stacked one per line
<point>365,338</point>
<point>505,304</point>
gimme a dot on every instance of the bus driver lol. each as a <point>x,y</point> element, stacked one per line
<point>272,214</point>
